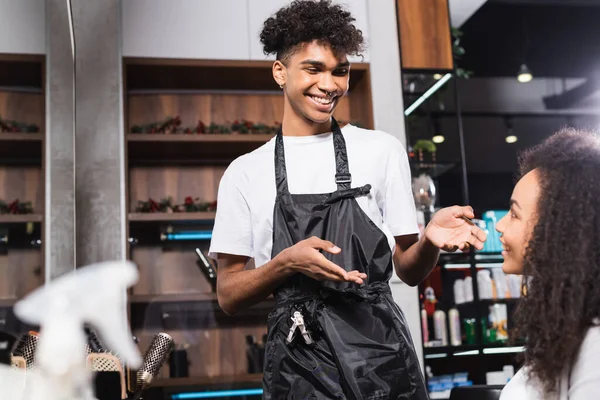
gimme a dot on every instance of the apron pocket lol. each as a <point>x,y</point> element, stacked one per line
<point>298,371</point>
<point>370,354</point>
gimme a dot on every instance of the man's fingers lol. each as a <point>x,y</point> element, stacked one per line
<point>478,233</point>
<point>466,211</point>
<point>324,245</point>
<point>333,268</point>
<point>357,277</point>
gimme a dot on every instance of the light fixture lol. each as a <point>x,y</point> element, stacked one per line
<point>217,394</point>
<point>187,235</point>
<point>437,77</point>
<point>427,94</point>
<point>510,136</point>
<point>438,139</point>
<point>524,74</point>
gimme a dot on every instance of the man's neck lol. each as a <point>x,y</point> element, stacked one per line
<point>297,125</point>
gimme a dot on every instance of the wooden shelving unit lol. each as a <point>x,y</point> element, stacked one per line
<point>208,381</point>
<point>22,99</point>
<point>16,147</point>
<point>173,298</point>
<point>172,294</point>
<point>4,303</point>
<point>168,217</point>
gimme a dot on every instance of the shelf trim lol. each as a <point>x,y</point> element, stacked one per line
<point>206,380</point>
<point>199,137</point>
<point>20,218</point>
<point>170,217</point>
<point>21,136</point>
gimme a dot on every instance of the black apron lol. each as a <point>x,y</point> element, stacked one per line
<point>330,340</point>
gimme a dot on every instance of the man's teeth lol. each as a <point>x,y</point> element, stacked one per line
<point>322,100</point>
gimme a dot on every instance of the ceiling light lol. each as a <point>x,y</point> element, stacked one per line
<point>438,139</point>
<point>511,139</point>
<point>437,77</point>
<point>524,74</point>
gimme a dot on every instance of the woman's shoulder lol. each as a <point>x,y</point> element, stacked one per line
<point>522,386</point>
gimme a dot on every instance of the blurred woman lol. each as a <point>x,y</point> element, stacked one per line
<point>552,236</point>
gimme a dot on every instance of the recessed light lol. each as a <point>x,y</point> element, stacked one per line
<point>438,139</point>
<point>437,77</point>
<point>511,139</point>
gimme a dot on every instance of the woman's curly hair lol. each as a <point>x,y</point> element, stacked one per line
<point>304,21</point>
<point>562,259</point>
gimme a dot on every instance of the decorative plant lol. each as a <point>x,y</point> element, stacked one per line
<point>169,125</point>
<point>458,52</point>
<point>424,146</point>
<point>14,126</point>
<point>165,205</point>
<point>16,207</point>
<point>195,205</point>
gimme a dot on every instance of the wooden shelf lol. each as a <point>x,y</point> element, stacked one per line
<point>192,148</point>
<point>172,298</point>
<point>21,70</point>
<point>167,217</point>
<point>20,218</point>
<point>4,303</point>
<point>177,74</point>
<point>19,146</point>
<point>207,381</point>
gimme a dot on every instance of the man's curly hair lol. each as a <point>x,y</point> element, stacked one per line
<point>562,257</point>
<point>304,21</point>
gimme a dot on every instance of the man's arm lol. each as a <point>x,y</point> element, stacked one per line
<point>414,258</point>
<point>238,288</point>
<point>450,229</point>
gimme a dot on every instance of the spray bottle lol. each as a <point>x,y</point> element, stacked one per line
<point>96,295</point>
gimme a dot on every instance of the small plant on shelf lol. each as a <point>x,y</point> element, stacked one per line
<point>150,206</point>
<point>16,207</point>
<point>167,205</point>
<point>195,205</point>
<point>14,126</point>
<point>172,125</point>
<point>423,147</point>
<point>169,125</point>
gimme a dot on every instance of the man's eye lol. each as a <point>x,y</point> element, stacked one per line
<point>341,72</point>
<point>312,70</point>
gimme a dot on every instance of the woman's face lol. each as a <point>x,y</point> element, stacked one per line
<point>516,227</point>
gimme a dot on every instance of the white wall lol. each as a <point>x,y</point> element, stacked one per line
<point>388,106</point>
<point>205,29</point>
<point>22,26</point>
<point>462,10</point>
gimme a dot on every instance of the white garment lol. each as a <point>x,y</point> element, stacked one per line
<point>247,191</point>
<point>583,383</point>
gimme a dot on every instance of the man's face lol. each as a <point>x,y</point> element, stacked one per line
<point>315,80</point>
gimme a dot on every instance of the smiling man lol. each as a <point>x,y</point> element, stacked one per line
<point>327,214</point>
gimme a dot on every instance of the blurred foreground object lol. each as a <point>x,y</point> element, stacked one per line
<point>94,295</point>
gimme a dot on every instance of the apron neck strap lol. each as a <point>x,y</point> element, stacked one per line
<point>343,178</point>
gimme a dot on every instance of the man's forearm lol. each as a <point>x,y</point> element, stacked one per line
<point>415,263</point>
<point>242,289</point>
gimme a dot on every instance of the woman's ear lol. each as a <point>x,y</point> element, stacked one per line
<point>279,73</point>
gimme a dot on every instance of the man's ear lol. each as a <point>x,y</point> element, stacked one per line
<point>279,73</point>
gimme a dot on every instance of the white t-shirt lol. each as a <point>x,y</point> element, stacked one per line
<point>583,382</point>
<point>247,191</point>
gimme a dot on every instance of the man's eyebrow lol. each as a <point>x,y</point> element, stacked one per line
<point>321,64</point>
